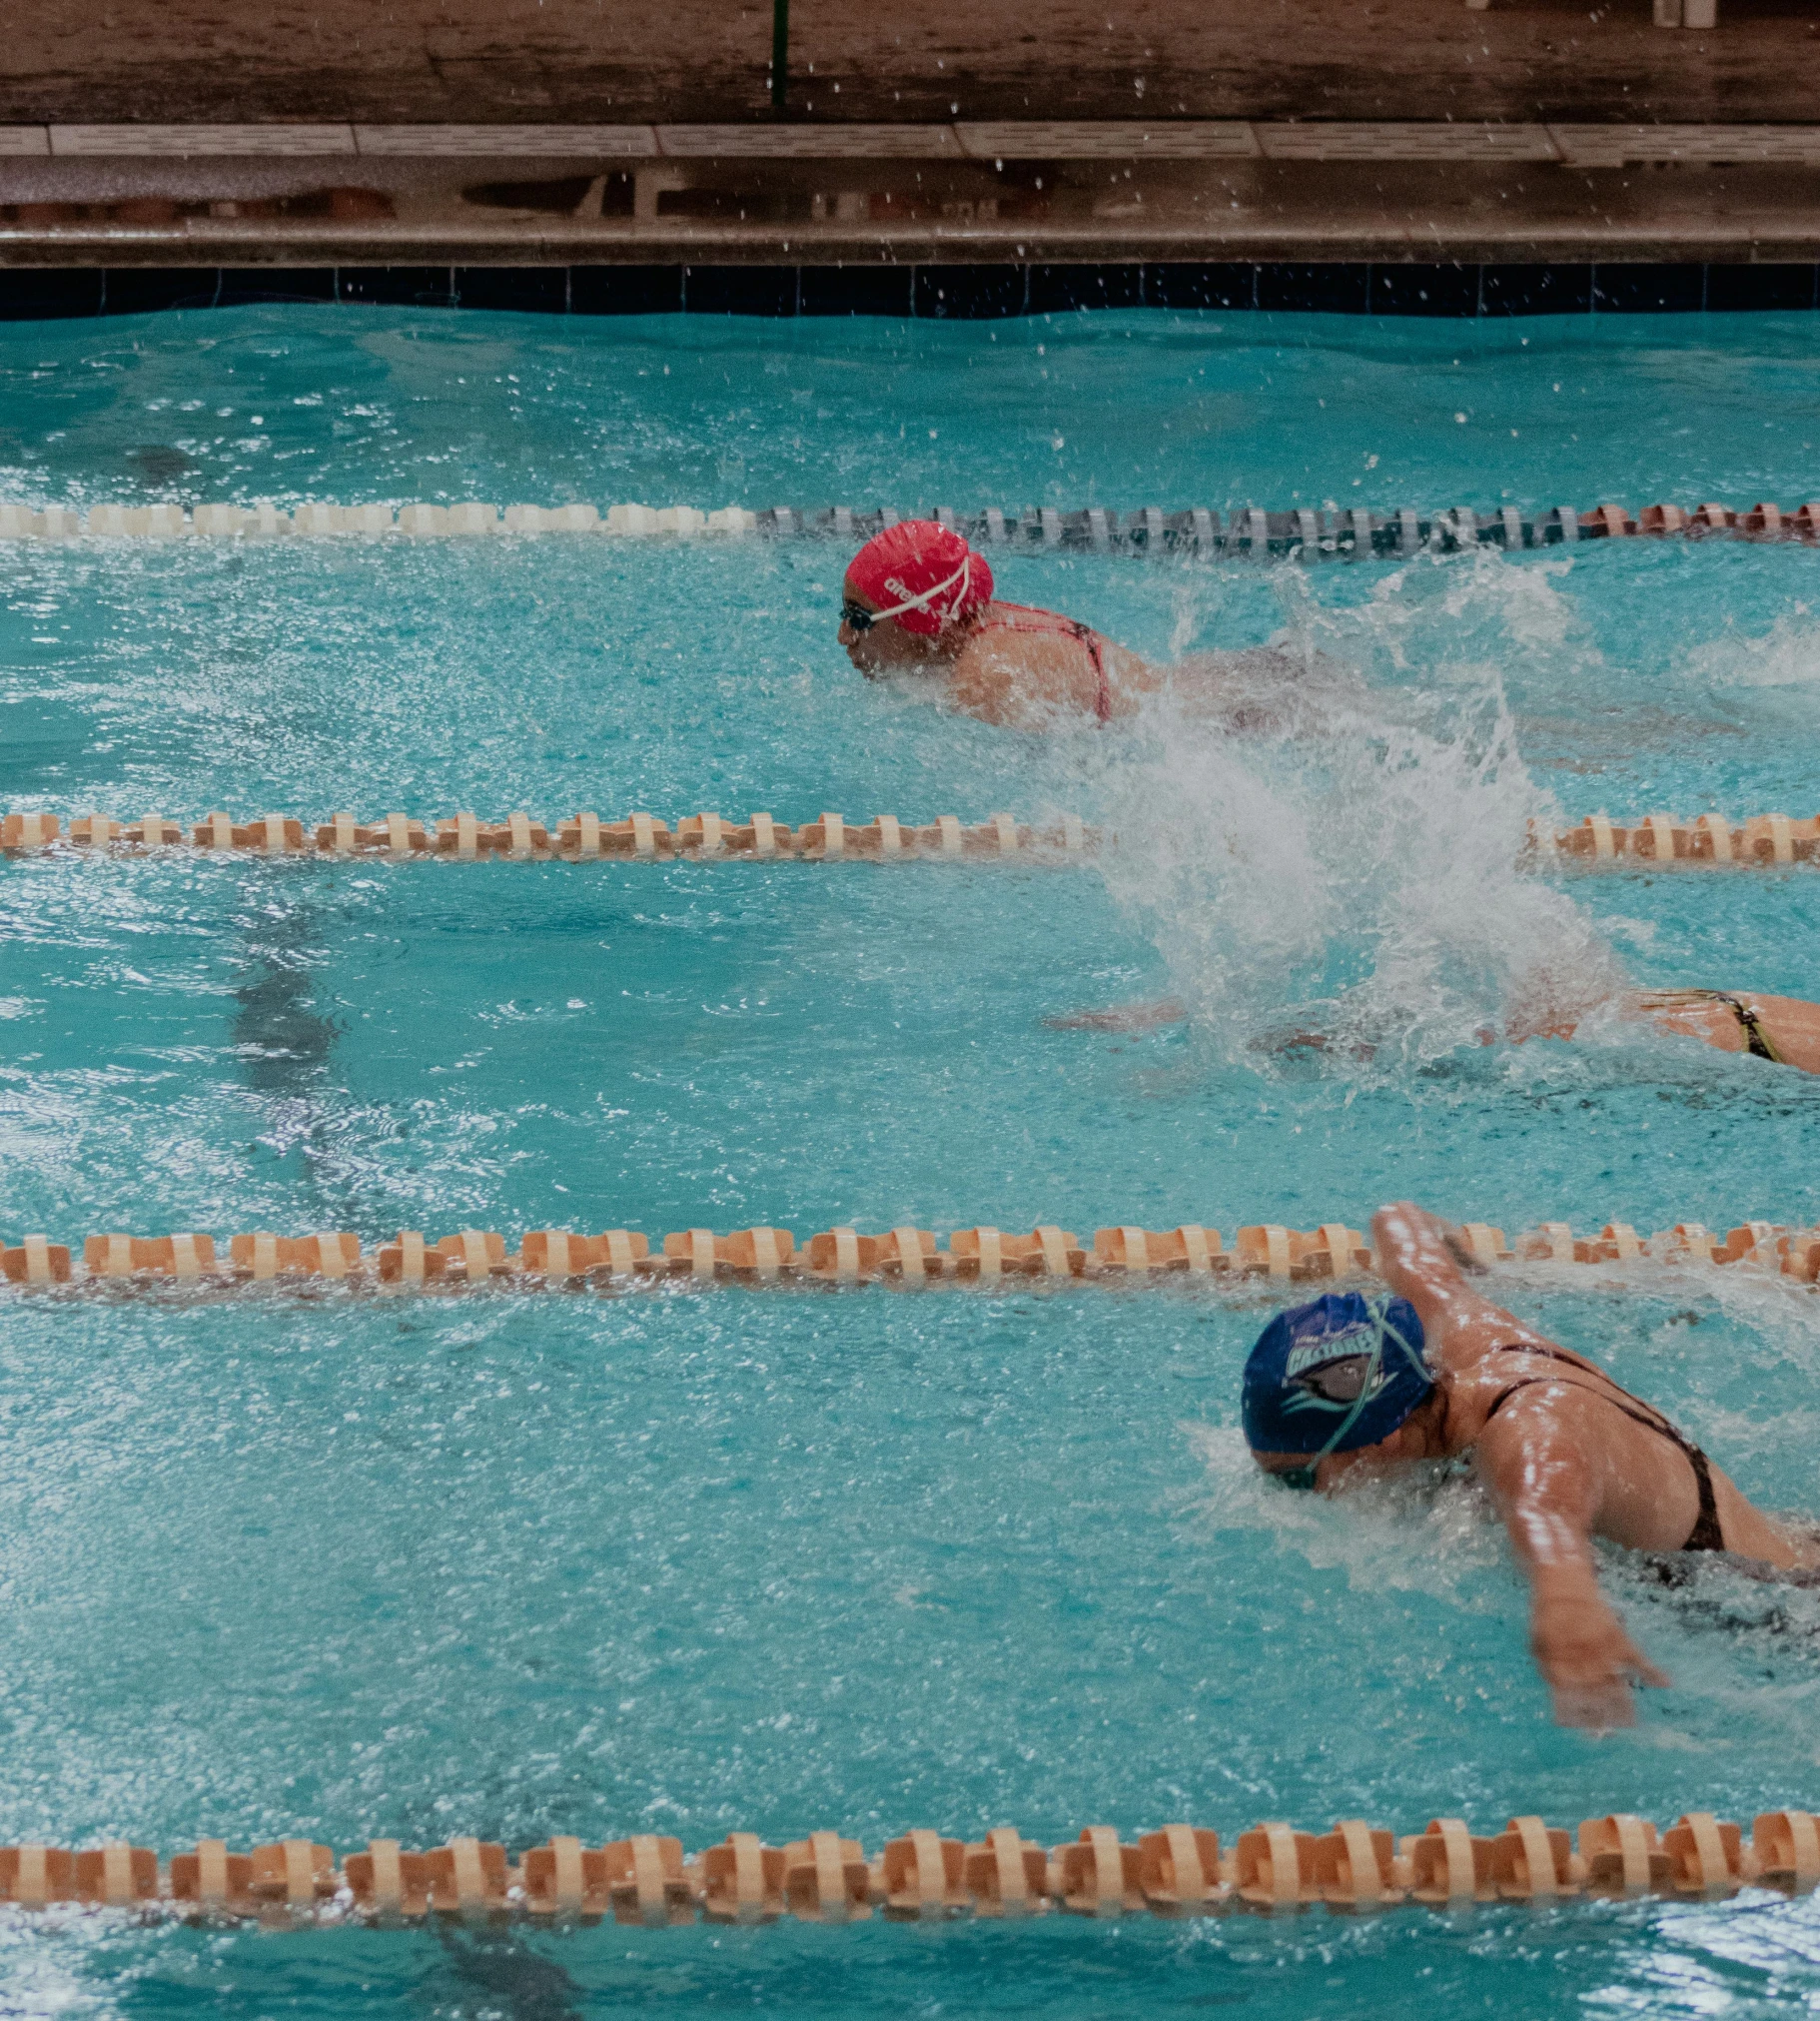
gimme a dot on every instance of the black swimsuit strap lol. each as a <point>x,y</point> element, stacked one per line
<point>1757,1041</point>
<point>1708,1533</point>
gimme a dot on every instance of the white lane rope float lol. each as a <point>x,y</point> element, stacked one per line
<point>583,837</point>
<point>1246,533</point>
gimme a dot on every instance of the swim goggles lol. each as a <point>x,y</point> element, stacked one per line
<point>1338,1382</point>
<point>856,614</point>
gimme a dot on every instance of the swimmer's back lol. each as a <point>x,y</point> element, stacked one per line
<point>1024,664</point>
<point>1263,689</point>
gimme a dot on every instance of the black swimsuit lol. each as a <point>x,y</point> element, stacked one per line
<point>1707,1533</point>
<point>1757,1041</point>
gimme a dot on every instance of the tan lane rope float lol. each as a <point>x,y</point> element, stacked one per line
<point>1709,840</point>
<point>1180,1871</point>
<point>558,1259</point>
<point>581,837</point>
<point>1247,533</point>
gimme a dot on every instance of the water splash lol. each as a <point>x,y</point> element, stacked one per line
<point>1355,873</point>
<point>1786,655</point>
<point>1428,1530</point>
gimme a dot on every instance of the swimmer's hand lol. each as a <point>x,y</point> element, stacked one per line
<point>1461,1253</point>
<point>1133,1017</point>
<point>1296,1039</point>
<point>1587,1660</point>
<point>1419,1245</point>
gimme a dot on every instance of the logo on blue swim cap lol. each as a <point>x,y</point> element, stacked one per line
<point>1341,1372</point>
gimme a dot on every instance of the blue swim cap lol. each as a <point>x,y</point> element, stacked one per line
<point>1339,1372</point>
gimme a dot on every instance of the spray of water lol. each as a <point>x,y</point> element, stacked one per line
<point>1351,865</point>
<point>1787,655</point>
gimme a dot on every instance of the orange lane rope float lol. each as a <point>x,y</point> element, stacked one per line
<point>581,839</point>
<point>560,1259</point>
<point>1247,533</point>
<point>1708,840</point>
<point>1180,1871</point>
<point>1661,840</point>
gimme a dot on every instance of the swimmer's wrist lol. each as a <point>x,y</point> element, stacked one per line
<point>1564,1585</point>
<point>1558,1557</point>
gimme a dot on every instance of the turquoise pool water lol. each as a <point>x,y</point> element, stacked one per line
<point>518,1565</point>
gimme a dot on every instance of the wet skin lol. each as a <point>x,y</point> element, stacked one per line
<point>1562,1463</point>
<point>1032,678</point>
<point>1792,1025</point>
<point>1014,678</point>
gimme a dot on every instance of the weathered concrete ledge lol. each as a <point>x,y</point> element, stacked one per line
<point>1007,193</point>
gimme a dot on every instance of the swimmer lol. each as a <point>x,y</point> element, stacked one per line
<point>1783,1030</point>
<point>1351,1388</point>
<point>917,602</point>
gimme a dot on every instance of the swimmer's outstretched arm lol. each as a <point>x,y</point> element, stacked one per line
<point>1420,1258</point>
<point>1548,1485</point>
<point>1145,1017</point>
<point>1131,1017</point>
<point>1545,1480</point>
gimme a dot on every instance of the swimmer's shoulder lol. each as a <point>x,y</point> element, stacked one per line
<point>1482,1349</point>
<point>1007,668</point>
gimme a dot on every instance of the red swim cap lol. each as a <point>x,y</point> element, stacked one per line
<point>922,575</point>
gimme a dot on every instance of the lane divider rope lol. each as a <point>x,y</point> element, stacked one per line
<point>1707,841</point>
<point>1180,1870</point>
<point>558,1259</point>
<point>581,837</point>
<point>1246,533</point>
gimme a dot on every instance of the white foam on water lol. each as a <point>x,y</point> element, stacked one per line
<point>1419,1533</point>
<point>1786,655</point>
<point>1444,617</point>
<point>1352,864</point>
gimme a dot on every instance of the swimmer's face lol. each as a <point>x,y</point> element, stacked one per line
<point>1338,1470</point>
<point>1421,1435</point>
<point>883,647</point>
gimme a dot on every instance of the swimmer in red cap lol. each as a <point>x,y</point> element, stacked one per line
<point>918,601</point>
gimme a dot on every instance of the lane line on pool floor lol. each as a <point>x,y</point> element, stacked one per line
<point>1250,532</point>
<point>558,1259</point>
<point>1180,1871</point>
<point>1709,840</point>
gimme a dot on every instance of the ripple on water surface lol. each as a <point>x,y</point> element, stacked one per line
<point>360,1566</point>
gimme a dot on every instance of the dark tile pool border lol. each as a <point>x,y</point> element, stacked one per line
<point>30,293</point>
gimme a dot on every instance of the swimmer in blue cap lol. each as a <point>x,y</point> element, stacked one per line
<point>1353,1386</point>
<point>1336,1375</point>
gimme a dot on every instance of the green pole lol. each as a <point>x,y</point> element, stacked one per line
<point>780,53</point>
